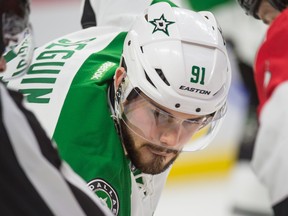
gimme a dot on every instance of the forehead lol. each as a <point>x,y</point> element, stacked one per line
<point>169,111</point>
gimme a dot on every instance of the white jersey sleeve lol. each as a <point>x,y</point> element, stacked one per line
<point>270,161</point>
<point>145,197</point>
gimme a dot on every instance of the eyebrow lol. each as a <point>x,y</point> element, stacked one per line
<point>209,115</point>
<point>157,106</point>
<point>189,119</point>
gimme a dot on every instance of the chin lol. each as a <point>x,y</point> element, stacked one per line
<point>154,166</point>
<point>154,171</point>
<point>142,159</point>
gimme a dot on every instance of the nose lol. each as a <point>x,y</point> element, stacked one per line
<point>169,137</point>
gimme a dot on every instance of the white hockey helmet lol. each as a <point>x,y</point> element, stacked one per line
<point>177,58</point>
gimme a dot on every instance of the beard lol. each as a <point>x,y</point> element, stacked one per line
<point>155,165</point>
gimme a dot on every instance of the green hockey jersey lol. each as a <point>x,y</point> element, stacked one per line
<point>66,87</point>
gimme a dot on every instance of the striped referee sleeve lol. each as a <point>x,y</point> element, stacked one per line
<point>34,181</point>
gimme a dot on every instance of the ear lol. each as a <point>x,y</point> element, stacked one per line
<point>120,74</point>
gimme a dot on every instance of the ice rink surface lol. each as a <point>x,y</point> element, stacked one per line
<point>233,191</point>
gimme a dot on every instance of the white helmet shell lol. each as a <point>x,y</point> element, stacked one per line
<point>178,59</point>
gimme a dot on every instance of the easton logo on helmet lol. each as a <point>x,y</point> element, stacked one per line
<point>200,91</point>
<point>161,24</point>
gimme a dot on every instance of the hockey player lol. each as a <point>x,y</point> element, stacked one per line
<point>123,105</point>
<point>270,154</point>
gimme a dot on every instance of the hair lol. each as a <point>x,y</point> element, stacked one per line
<point>251,6</point>
<point>279,4</point>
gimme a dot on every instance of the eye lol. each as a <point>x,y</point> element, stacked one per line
<point>187,124</point>
<point>198,122</point>
<point>191,124</point>
<point>195,120</point>
<point>157,116</point>
<point>156,113</point>
<point>162,117</point>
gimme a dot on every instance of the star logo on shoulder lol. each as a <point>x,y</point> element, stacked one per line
<point>161,24</point>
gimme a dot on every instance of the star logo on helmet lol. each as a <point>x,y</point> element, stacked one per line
<point>161,24</point>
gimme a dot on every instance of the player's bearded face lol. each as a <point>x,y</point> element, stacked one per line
<point>147,157</point>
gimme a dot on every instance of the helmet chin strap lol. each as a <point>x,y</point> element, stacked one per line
<point>114,105</point>
<point>114,99</point>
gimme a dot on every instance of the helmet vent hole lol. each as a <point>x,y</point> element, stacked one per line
<point>207,17</point>
<point>177,105</point>
<point>162,76</point>
<point>148,79</point>
<point>213,28</point>
<point>198,109</point>
<point>141,49</point>
<point>129,42</point>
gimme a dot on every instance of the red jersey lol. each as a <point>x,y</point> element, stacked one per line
<point>271,67</point>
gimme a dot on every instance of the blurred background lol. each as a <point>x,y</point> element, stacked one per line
<point>218,180</point>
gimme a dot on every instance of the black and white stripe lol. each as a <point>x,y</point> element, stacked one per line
<point>33,179</point>
<point>88,18</point>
